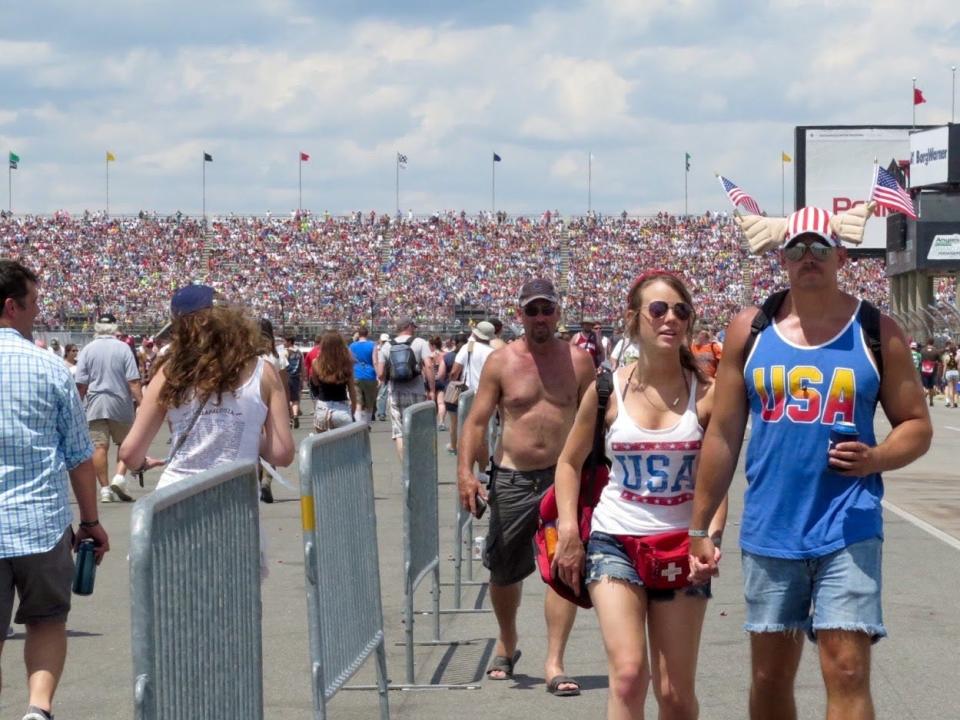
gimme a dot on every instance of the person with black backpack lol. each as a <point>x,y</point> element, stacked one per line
<point>808,369</point>
<point>407,369</point>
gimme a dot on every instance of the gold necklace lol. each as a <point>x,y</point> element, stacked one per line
<point>642,388</point>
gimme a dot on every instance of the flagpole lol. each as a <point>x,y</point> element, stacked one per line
<point>106,163</point>
<point>589,183</point>
<point>953,94</point>
<point>397,160</point>
<point>300,185</point>
<point>686,172</point>
<point>914,99</point>
<point>204,162</point>
<point>493,183</point>
<point>783,185</point>
<point>9,188</point>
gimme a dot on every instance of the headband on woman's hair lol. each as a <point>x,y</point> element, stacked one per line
<point>656,272</point>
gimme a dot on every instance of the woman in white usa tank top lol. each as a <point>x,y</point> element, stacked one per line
<point>655,420</point>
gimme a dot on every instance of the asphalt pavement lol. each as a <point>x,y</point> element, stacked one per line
<point>915,670</point>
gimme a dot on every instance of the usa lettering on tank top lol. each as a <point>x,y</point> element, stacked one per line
<point>652,474</point>
<point>796,506</point>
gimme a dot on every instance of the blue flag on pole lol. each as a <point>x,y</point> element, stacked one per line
<point>497,158</point>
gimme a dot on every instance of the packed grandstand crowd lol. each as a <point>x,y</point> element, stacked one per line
<point>339,270</point>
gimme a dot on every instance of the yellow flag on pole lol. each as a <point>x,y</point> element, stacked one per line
<point>785,157</point>
<point>111,157</point>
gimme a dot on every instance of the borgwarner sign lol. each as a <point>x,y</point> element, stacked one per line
<point>945,247</point>
<point>929,157</point>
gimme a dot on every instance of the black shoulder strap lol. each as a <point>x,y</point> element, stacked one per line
<point>768,311</point>
<point>869,317</point>
<point>604,390</point>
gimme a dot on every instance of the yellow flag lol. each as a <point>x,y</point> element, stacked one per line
<point>110,156</point>
<point>785,157</point>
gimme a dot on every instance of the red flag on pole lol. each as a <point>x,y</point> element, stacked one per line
<point>304,157</point>
<point>918,97</point>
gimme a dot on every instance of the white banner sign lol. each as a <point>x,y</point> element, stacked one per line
<point>839,170</point>
<point>929,157</point>
<point>945,247</point>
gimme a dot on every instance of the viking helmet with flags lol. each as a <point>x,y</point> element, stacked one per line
<point>769,233</point>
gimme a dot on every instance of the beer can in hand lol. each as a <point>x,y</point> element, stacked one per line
<point>842,432</point>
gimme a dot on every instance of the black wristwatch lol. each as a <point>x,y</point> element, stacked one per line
<point>89,523</point>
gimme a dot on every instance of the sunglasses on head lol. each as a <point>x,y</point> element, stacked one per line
<point>546,309</point>
<point>820,251</point>
<point>659,308</point>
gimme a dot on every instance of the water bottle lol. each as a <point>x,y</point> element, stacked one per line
<point>86,568</point>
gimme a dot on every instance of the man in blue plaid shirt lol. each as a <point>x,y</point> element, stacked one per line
<point>43,443</point>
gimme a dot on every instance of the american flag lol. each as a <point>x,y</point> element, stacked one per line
<point>888,193</point>
<point>738,197</point>
<point>401,160</point>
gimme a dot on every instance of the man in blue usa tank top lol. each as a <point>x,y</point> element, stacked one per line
<point>812,524</point>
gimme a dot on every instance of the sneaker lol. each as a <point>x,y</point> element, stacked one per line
<point>35,713</point>
<point>451,449</point>
<point>442,427</point>
<point>119,488</point>
<point>266,494</point>
<point>10,631</point>
<point>106,495</point>
<point>296,422</point>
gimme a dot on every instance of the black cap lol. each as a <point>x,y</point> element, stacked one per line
<point>107,319</point>
<point>539,289</point>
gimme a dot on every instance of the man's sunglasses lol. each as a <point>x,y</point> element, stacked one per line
<point>818,250</point>
<point>659,308</point>
<point>546,310</point>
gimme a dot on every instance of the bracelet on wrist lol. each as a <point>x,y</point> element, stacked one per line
<point>697,533</point>
<point>89,523</point>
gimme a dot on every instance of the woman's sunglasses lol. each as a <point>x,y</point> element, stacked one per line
<point>659,308</point>
<point>533,310</point>
<point>818,250</point>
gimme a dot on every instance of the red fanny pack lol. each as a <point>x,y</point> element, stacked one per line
<point>662,561</point>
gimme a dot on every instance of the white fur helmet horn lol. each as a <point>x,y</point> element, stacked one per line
<point>768,233</point>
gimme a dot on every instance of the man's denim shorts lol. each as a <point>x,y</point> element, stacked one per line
<point>839,591</point>
<point>607,557</point>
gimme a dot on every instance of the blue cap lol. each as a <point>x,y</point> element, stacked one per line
<point>190,299</point>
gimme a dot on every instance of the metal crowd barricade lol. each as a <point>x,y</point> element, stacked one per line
<point>195,592</point>
<point>464,520</point>
<point>342,567</point>
<point>421,527</point>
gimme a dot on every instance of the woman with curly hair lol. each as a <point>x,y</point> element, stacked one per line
<point>224,402</point>
<point>337,393</point>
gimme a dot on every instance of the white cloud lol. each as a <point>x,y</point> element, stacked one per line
<point>638,81</point>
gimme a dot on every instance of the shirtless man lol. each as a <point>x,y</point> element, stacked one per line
<point>536,383</point>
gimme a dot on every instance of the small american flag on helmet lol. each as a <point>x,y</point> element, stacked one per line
<point>738,197</point>
<point>810,220</point>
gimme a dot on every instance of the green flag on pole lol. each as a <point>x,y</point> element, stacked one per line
<point>688,161</point>
<point>14,160</point>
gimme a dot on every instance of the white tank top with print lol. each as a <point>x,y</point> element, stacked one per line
<point>224,432</point>
<point>651,478</point>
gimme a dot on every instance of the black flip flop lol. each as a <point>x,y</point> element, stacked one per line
<point>501,663</point>
<point>553,687</point>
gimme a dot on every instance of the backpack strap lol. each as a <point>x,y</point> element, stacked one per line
<point>768,311</point>
<point>604,390</point>
<point>869,317</point>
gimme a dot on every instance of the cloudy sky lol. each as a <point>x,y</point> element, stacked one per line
<point>636,82</point>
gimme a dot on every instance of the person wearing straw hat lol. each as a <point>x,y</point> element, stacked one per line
<point>812,527</point>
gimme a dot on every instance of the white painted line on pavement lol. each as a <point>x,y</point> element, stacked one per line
<point>923,525</point>
<point>951,427</point>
